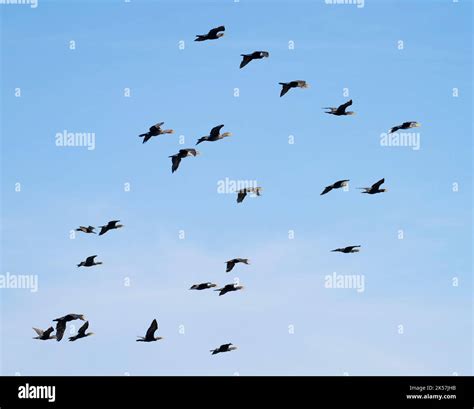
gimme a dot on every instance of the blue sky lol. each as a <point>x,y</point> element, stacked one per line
<point>136,45</point>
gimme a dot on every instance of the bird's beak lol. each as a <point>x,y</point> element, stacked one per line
<point>417,125</point>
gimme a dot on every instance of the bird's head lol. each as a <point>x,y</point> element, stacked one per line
<point>219,35</point>
<point>246,261</point>
<point>82,318</point>
<point>158,338</point>
<point>232,348</point>
<point>416,125</point>
<point>350,113</point>
<point>226,134</point>
<point>239,287</point>
<point>212,285</point>
<point>90,333</point>
<point>304,84</point>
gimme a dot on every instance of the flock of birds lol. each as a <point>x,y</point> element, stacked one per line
<point>214,135</point>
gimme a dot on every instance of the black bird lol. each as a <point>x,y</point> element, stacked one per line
<point>82,332</point>
<point>340,110</point>
<point>231,263</point>
<point>89,262</point>
<point>348,249</point>
<point>286,86</point>
<point>214,135</point>
<point>405,125</point>
<point>228,288</point>
<point>110,226</point>
<point>176,159</point>
<point>61,324</point>
<point>155,130</point>
<point>213,34</point>
<point>202,286</point>
<point>44,335</point>
<point>256,55</point>
<point>241,194</point>
<point>89,229</point>
<point>223,348</point>
<point>375,188</point>
<point>150,334</point>
<point>336,185</point>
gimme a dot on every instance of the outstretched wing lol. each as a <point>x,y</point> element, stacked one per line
<point>326,190</point>
<point>285,88</point>
<point>90,259</point>
<point>214,31</point>
<point>151,331</point>
<point>215,131</point>
<point>377,184</point>
<point>230,266</point>
<point>175,160</point>
<point>247,58</point>
<point>60,328</point>
<point>48,332</point>
<point>342,108</point>
<point>39,331</point>
<point>83,329</point>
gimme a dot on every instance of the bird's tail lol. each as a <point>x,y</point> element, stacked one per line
<point>201,140</point>
<point>168,131</point>
<point>142,135</point>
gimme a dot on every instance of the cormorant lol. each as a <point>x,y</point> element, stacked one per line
<point>150,334</point>
<point>110,226</point>
<point>228,288</point>
<point>234,261</point>
<point>89,262</point>
<point>214,135</point>
<point>155,130</point>
<point>243,192</point>
<point>348,249</point>
<point>256,55</point>
<point>44,335</point>
<point>213,34</point>
<point>375,188</point>
<point>286,86</point>
<point>203,286</point>
<point>340,110</point>
<point>336,185</point>
<point>223,348</point>
<point>89,229</point>
<point>61,324</point>
<point>176,159</point>
<point>82,332</point>
<point>405,125</point>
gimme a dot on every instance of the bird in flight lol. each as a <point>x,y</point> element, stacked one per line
<point>214,135</point>
<point>286,86</point>
<point>183,153</point>
<point>44,335</point>
<point>213,34</point>
<point>348,249</point>
<point>155,130</point>
<point>89,262</point>
<point>202,286</point>
<point>223,348</point>
<point>336,185</point>
<point>256,55</point>
<point>231,263</point>
<point>405,125</point>
<point>228,288</point>
<point>375,188</point>
<point>82,332</point>
<point>110,226</point>
<point>340,110</point>
<point>150,334</point>
<point>61,324</point>
<point>88,229</point>
<point>241,194</point>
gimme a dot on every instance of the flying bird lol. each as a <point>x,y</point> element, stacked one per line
<point>82,332</point>
<point>223,348</point>
<point>375,188</point>
<point>150,334</point>
<point>213,34</point>
<point>336,185</point>
<point>234,261</point>
<point>88,229</point>
<point>176,159</point>
<point>155,130</point>
<point>228,288</point>
<point>256,55</point>
<point>202,286</point>
<point>89,262</point>
<point>286,86</point>
<point>241,194</point>
<point>348,249</point>
<point>61,324</point>
<point>44,335</point>
<point>110,226</point>
<point>214,135</point>
<point>405,125</point>
<point>340,110</point>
